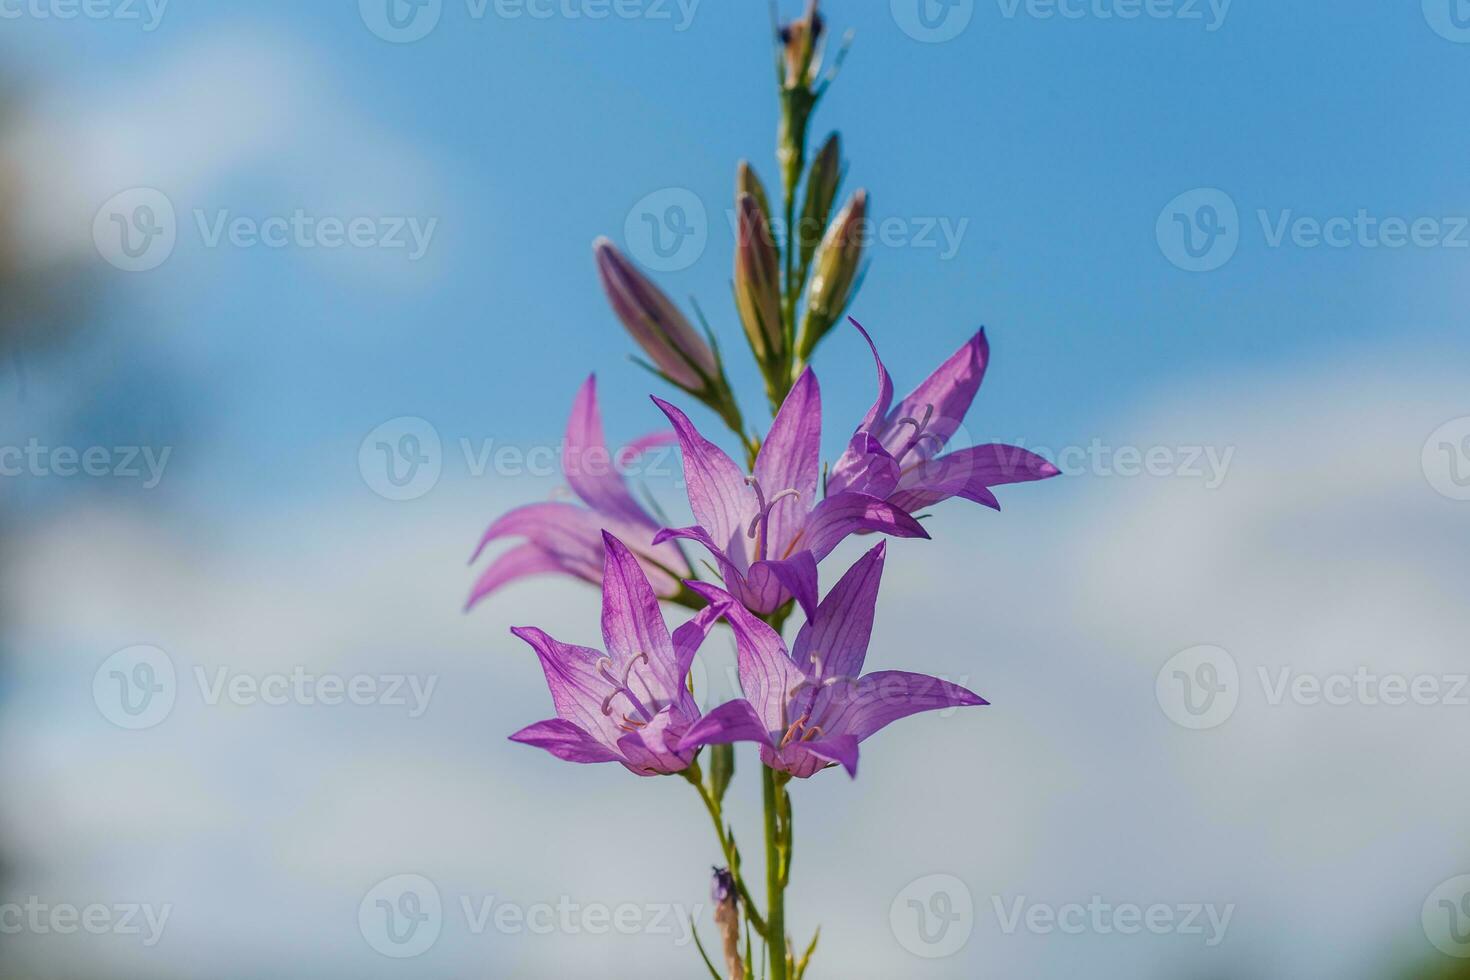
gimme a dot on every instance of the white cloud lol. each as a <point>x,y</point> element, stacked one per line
<point>1324,550</point>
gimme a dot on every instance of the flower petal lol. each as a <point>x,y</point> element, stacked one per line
<point>971,472</point>
<point>774,582</point>
<point>566,530</point>
<point>687,641</point>
<point>883,697</point>
<point>864,467</point>
<point>520,562</point>
<point>841,749</point>
<point>577,689</point>
<point>722,502</point>
<point>767,674</point>
<point>733,721</point>
<point>944,397</point>
<point>565,741</point>
<point>838,634</point>
<point>589,465</point>
<point>847,513</point>
<point>651,750</point>
<point>632,623</point>
<point>790,459</point>
<point>879,412</point>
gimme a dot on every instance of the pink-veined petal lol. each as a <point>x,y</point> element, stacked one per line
<point>632,623</point>
<point>848,513</point>
<point>774,582</point>
<point>565,741</point>
<point>767,673</point>
<point>652,749</point>
<point>522,561</point>
<point>733,721</point>
<point>790,459</point>
<point>838,634</point>
<point>588,464</point>
<point>943,398</point>
<point>578,690</point>
<point>722,502</point>
<point>864,467</point>
<point>862,707</point>
<point>879,412</point>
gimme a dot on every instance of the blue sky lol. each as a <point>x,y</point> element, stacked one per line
<point>1052,143</point>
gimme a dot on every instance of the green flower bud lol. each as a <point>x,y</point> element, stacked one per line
<point>838,261</point>
<point>821,191</point>
<point>758,283</point>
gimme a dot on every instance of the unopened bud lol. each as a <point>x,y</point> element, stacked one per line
<point>839,258</point>
<point>727,917</point>
<point>758,282</point>
<point>747,181</point>
<point>800,38</point>
<point>664,333</point>
<point>821,191</point>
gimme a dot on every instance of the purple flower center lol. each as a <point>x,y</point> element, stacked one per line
<point>762,517</point>
<point>621,686</point>
<point>921,432</point>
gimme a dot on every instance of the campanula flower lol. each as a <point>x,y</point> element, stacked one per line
<point>631,704</point>
<point>565,538</point>
<point>896,453</point>
<point>768,530</point>
<point>808,708</point>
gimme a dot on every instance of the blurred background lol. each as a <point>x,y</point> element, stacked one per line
<point>1221,250</point>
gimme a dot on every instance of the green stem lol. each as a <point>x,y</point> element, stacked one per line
<point>727,847</point>
<point>775,885</point>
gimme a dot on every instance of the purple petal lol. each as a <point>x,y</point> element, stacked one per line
<point>520,562</point>
<point>652,749</point>
<point>564,529</point>
<point>847,513</point>
<point>796,577</point>
<point>733,721</point>
<point>879,412</point>
<point>944,397</point>
<point>970,472</point>
<point>577,689</point>
<point>734,574</point>
<point>839,632</point>
<point>841,749</point>
<point>767,673</point>
<point>687,641</point>
<point>589,466</point>
<point>790,459</point>
<point>864,467</point>
<point>645,444</point>
<point>632,623</point>
<point>722,503</point>
<point>881,698</point>
<point>565,741</point>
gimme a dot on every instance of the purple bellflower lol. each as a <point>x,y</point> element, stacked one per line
<point>895,454</point>
<point>769,530</point>
<point>564,538</point>
<point>809,708</point>
<point>631,704</point>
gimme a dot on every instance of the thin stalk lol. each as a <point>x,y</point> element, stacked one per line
<point>727,847</point>
<point>775,887</point>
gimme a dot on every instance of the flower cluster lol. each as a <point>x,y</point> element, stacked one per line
<point>768,523</point>
<point>767,531</point>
